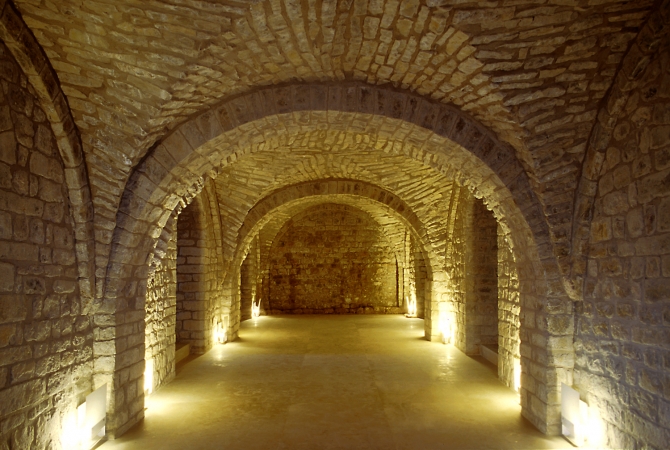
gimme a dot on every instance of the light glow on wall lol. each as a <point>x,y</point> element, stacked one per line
<point>445,327</point>
<point>517,374</point>
<point>221,331</point>
<point>595,431</point>
<point>149,377</point>
<point>73,435</point>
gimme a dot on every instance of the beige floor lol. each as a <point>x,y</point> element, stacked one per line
<point>334,382</point>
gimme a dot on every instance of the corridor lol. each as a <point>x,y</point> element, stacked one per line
<point>334,382</point>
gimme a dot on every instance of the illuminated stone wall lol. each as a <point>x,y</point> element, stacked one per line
<point>332,259</point>
<point>484,283</point>
<point>622,336</point>
<point>199,276</point>
<point>46,334</point>
<point>472,260</point>
<point>456,247</point>
<point>509,306</point>
<point>161,306</point>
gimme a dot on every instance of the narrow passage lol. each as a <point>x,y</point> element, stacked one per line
<point>334,382</point>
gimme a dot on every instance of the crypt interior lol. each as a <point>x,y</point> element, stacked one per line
<point>336,224</point>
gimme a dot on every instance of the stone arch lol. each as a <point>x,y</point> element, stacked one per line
<point>349,192</point>
<point>195,145</point>
<point>435,135</point>
<point>633,66</point>
<point>35,64</point>
<point>328,188</point>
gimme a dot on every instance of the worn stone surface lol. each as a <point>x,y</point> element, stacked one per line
<point>509,307</point>
<point>523,71</point>
<point>392,217</point>
<point>199,275</point>
<point>472,265</point>
<point>332,258</point>
<point>622,326</point>
<point>161,308</point>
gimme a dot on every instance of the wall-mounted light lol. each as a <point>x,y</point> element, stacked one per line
<point>580,423</point>
<point>96,413</point>
<point>149,376</point>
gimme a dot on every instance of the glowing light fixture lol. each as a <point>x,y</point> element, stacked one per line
<point>255,308</point>
<point>149,376</point>
<point>96,414</point>
<point>411,306</point>
<point>574,416</point>
<point>445,328</point>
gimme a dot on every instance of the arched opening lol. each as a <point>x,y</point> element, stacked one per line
<point>357,228</point>
<point>436,161</point>
<point>326,258</point>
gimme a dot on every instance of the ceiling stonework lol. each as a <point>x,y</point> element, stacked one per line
<point>531,71</point>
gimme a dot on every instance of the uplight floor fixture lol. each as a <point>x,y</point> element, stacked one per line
<point>84,427</point>
<point>411,307</point>
<point>255,309</point>
<point>149,377</point>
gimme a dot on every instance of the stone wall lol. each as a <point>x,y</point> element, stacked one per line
<point>332,259</point>
<point>481,264</point>
<point>483,283</point>
<point>46,337</point>
<point>198,276</point>
<point>161,300</point>
<point>622,337</point>
<point>509,306</point>
<point>471,265</point>
<point>456,247</point>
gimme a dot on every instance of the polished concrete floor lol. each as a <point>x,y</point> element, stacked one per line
<point>334,382</point>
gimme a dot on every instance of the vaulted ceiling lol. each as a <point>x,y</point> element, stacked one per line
<point>532,72</point>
